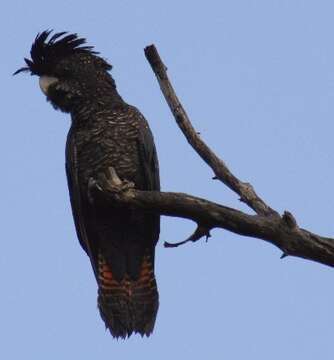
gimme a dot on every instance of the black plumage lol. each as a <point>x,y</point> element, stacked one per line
<point>105,132</point>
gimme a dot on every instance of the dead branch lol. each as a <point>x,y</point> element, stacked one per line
<point>280,231</point>
<point>267,224</point>
<point>244,190</point>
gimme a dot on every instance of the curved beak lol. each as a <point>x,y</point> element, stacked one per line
<point>45,82</point>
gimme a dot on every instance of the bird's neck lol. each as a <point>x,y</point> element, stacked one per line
<point>85,111</point>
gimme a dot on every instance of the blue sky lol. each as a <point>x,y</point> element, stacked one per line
<point>257,79</point>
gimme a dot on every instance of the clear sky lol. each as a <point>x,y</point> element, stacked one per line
<point>257,79</point>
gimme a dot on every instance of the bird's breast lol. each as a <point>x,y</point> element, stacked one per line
<point>99,148</point>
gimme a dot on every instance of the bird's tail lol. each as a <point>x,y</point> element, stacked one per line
<point>128,305</point>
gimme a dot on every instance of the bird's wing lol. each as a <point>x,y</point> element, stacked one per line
<point>80,206</point>
<point>150,170</point>
<point>148,158</point>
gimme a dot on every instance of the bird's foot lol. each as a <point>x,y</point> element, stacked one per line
<point>114,183</point>
<point>108,182</point>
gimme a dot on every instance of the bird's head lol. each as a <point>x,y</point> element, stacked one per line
<point>69,71</point>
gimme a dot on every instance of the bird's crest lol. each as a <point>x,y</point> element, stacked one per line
<point>45,53</point>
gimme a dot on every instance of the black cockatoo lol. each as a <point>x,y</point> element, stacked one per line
<point>105,132</point>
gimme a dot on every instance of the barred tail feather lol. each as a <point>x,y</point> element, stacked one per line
<point>128,305</point>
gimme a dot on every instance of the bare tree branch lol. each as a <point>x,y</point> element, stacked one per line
<point>267,224</point>
<point>244,190</point>
<point>280,231</point>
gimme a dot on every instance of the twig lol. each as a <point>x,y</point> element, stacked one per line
<point>197,234</point>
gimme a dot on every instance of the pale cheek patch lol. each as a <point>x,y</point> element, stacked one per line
<point>45,82</point>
